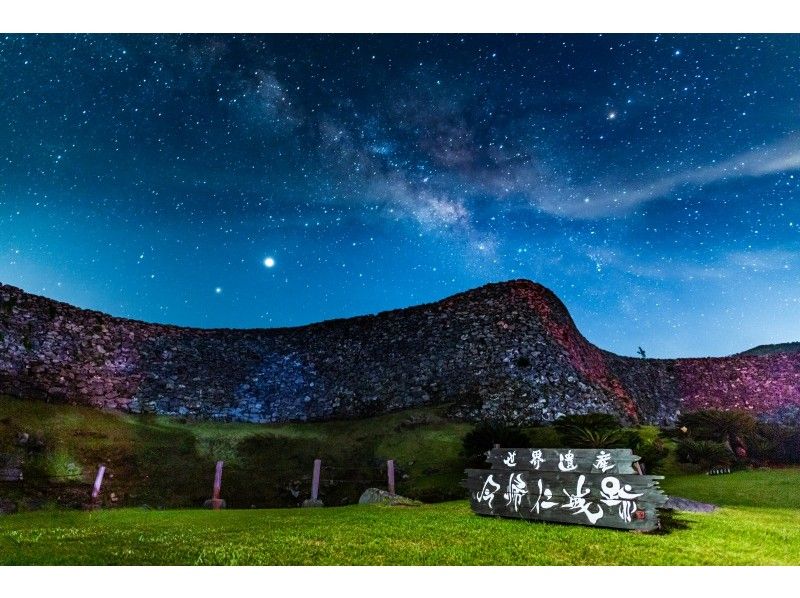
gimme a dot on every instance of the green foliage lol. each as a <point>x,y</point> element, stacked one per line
<point>706,453</point>
<point>650,447</point>
<point>774,443</point>
<point>544,437</point>
<point>588,438</point>
<point>747,439</point>
<point>162,462</point>
<point>719,425</point>
<point>594,430</point>
<point>63,466</point>
<point>483,438</point>
<point>601,422</point>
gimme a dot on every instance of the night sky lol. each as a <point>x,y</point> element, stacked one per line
<point>651,181</point>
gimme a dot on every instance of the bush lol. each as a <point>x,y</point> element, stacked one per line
<point>594,430</point>
<point>775,443</point>
<point>734,428</point>
<point>483,438</point>
<point>652,451</point>
<point>706,453</point>
<point>591,421</point>
<point>544,437</point>
<point>578,437</point>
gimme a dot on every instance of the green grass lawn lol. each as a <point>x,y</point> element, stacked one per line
<point>165,462</point>
<point>740,533</point>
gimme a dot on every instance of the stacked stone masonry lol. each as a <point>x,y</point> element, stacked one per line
<point>508,352</point>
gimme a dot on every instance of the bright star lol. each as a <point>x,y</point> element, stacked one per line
<point>218,290</point>
<point>269,262</point>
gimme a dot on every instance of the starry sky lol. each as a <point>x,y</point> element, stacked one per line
<point>651,181</point>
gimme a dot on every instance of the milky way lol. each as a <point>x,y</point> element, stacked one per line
<point>651,181</point>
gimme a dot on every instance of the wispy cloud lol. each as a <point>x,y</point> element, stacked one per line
<point>723,266</point>
<point>764,260</point>
<point>598,201</point>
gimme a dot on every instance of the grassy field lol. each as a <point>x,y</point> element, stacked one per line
<point>442,534</point>
<point>158,466</point>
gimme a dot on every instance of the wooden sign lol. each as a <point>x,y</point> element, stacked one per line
<point>584,486</point>
<point>565,460</point>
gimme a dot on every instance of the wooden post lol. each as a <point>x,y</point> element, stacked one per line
<point>98,482</point>
<point>315,479</point>
<point>390,472</point>
<point>217,486</point>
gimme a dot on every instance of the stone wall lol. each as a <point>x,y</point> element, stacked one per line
<point>506,351</point>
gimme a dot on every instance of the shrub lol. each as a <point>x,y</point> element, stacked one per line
<point>706,453</point>
<point>652,451</point>
<point>776,444</point>
<point>734,428</point>
<point>62,466</point>
<point>578,437</point>
<point>544,437</point>
<point>591,421</point>
<point>594,430</point>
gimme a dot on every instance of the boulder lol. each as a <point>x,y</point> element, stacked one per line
<point>676,503</point>
<point>376,496</point>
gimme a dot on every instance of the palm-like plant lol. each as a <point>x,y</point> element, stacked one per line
<point>583,437</point>
<point>731,427</point>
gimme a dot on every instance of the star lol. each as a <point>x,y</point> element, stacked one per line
<point>413,188</point>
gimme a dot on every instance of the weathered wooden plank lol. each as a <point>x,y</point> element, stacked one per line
<point>624,501</point>
<point>565,460</point>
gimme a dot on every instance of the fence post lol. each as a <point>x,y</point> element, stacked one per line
<point>390,472</point>
<point>314,501</point>
<point>217,480</point>
<point>315,480</point>
<point>216,501</point>
<point>98,482</point>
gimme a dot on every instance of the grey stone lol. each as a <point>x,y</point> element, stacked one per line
<point>460,351</point>
<point>676,503</point>
<point>372,496</point>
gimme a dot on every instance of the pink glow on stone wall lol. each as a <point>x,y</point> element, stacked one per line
<point>584,357</point>
<point>757,383</point>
